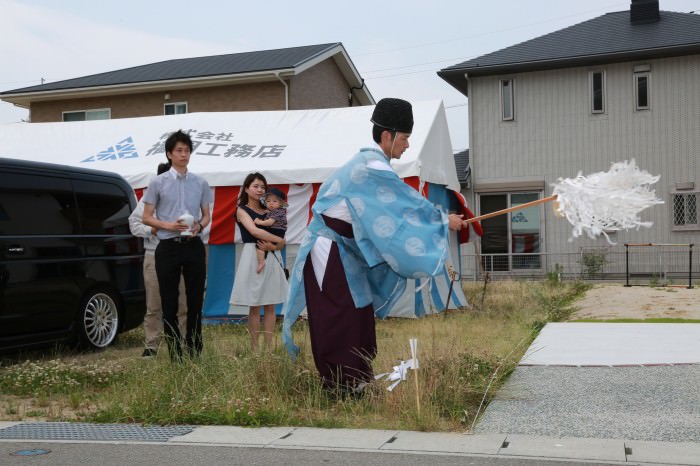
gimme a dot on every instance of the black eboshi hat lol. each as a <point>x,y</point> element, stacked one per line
<point>394,115</point>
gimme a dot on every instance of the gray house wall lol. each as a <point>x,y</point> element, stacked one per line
<point>554,135</point>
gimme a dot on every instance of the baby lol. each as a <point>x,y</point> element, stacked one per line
<point>275,220</point>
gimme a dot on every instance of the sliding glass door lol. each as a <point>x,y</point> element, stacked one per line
<point>511,241</point>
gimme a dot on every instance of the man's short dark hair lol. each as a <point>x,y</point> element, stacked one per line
<point>177,136</point>
<point>162,168</point>
<point>377,133</point>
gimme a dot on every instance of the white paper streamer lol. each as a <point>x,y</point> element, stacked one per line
<point>399,372</point>
<point>609,200</point>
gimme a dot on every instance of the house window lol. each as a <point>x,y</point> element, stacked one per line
<point>597,91</point>
<point>175,108</point>
<point>507,100</point>
<point>685,211</point>
<point>511,242</point>
<point>641,90</point>
<point>87,115</point>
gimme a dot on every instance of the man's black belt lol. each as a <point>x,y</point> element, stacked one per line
<point>181,239</point>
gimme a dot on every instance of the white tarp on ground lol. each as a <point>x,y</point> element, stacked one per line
<point>614,344</point>
<point>295,150</point>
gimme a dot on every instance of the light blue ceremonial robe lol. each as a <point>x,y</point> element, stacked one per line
<point>398,234</point>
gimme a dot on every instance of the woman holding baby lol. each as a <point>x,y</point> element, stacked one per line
<point>260,286</point>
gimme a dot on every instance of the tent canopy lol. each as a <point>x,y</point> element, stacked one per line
<point>297,146</point>
<point>295,150</point>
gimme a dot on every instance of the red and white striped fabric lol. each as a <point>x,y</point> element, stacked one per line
<point>300,198</point>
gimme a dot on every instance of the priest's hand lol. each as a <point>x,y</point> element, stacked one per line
<point>455,222</point>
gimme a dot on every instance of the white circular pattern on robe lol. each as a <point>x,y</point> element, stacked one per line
<point>386,195</point>
<point>391,261</point>
<point>384,226</point>
<point>412,217</point>
<point>359,205</point>
<point>333,189</point>
<point>439,241</point>
<point>414,246</point>
<point>358,173</point>
<point>436,217</point>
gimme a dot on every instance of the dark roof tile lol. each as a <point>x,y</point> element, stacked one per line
<point>462,165</point>
<point>183,68</point>
<point>599,40</point>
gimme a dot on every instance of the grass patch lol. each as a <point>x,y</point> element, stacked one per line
<point>464,358</point>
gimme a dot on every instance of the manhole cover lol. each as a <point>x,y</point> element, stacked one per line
<point>85,431</point>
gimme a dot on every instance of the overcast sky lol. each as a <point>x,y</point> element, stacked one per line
<point>397,46</point>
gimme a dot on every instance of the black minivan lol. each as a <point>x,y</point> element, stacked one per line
<point>70,270</point>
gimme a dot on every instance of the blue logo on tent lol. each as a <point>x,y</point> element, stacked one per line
<point>519,218</point>
<point>124,149</point>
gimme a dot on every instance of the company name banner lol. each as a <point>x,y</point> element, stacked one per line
<point>299,146</point>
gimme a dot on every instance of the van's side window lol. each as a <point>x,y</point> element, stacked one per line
<point>104,208</point>
<point>36,205</point>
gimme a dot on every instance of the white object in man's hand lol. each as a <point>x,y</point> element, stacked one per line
<point>188,220</point>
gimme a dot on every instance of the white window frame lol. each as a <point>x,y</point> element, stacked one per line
<point>509,96</point>
<point>91,110</point>
<point>635,78</point>
<point>686,195</point>
<point>591,80</point>
<point>512,268</point>
<point>174,105</point>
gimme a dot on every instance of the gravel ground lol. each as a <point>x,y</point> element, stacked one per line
<point>659,403</point>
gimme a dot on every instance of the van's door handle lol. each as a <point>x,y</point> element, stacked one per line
<point>15,251</point>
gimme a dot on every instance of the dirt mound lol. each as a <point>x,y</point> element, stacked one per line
<point>615,301</point>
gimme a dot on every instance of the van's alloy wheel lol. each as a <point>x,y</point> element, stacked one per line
<point>99,320</point>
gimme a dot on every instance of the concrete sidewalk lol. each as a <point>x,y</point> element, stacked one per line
<point>391,441</point>
<point>638,382</point>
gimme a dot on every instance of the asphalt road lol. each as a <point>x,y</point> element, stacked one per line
<point>109,454</point>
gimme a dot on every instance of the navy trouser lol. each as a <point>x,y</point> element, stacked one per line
<point>174,258</point>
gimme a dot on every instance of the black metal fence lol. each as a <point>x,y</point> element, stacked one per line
<point>660,265</point>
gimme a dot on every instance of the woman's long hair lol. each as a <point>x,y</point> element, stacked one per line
<point>243,198</point>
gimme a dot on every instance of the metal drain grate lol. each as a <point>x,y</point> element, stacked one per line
<point>83,431</point>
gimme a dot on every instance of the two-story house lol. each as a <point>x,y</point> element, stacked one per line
<point>296,78</point>
<point>621,86</point>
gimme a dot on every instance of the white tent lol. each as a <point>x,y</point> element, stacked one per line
<point>295,150</point>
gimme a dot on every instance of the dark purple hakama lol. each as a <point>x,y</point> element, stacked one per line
<point>343,338</point>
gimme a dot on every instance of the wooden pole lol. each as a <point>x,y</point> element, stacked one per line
<point>452,273</point>
<point>510,209</point>
<point>413,342</point>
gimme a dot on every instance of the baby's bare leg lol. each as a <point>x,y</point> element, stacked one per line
<point>261,260</point>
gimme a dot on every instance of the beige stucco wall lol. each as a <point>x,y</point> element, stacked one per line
<point>242,97</point>
<point>321,86</point>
